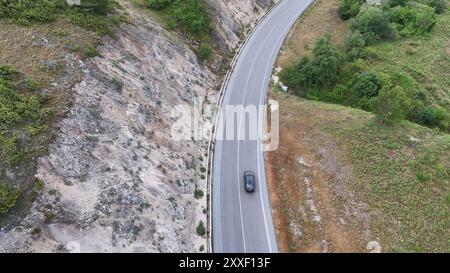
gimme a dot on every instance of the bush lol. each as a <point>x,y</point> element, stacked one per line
<point>101,7</point>
<point>322,71</point>
<point>428,115</point>
<point>21,113</point>
<point>158,4</point>
<point>354,45</point>
<point>204,52</point>
<point>91,14</point>
<point>326,64</point>
<point>297,77</point>
<point>373,24</point>
<point>395,3</point>
<point>390,105</point>
<point>349,8</point>
<point>367,85</point>
<point>201,230</point>
<point>8,197</point>
<point>426,18</point>
<point>440,6</point>
<point>198,194</point>
<point>189,15</point>
<point>434,116</point>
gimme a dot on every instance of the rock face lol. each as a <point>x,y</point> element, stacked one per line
<point>115,180</point>
<point>234,16</point>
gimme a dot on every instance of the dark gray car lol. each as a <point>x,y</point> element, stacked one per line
<point>250,181</point>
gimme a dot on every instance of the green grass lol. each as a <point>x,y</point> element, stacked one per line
<point>405,183</point>
<point>28,12</point>
<point>23,116</point>
<point>423,59</point>
<point>191,17</point>
<point>8,197</point>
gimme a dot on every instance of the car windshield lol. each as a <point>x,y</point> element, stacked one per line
<point>249,180</point>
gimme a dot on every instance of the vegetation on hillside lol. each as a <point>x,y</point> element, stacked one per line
<point>190,16</point>
<point>8,197</point>
<point>403,172</point>
<point>378,69</point>
<point>91,14</point>
<point>24,115</point>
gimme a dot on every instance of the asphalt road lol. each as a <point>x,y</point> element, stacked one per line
<point>242,222</point>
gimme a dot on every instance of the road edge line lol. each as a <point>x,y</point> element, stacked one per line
<point>210,155</point>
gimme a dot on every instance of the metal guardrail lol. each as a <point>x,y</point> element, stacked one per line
<point>210,155</point>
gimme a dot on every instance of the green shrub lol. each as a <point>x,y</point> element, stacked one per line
<point>367,85</point>
<point>191,16</point>
<point>391,104</point>
<point>101,7</point>
<point>22,114</point>
<point>8,197</point>
<point>90,51</point>
<point>201,230</point>
<point>198,194</point>
<point>440,6</point>
<point>354,45</point>
<point>91,14</point>
<point>349,8</point>
<point>373,24</point>
<point>292,76</point>
<point>204,52</point>
<point>325,66</point>
<point>426,18</point>
<point>395,3</point>
<point>434,116</point>
<point>158,4</point>
<point>320,72</point>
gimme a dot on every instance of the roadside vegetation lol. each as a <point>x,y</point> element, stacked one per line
<point>192,17</point>
<point>388,66</point>
<point>393,62</point>
<point>91,14</point>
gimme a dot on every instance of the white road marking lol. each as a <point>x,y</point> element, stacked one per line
<point>258,145</point>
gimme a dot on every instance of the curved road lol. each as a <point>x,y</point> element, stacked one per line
<point>242,222</point>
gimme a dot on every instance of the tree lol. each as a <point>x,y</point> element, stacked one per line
<point>373,24</point>
<point>354,45</point>
<point>426,18</point>
<point>349,8</point>
<point>326,64</point>
<point>391,104</point>
<point>298,76</point>
<point>367,85</point>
